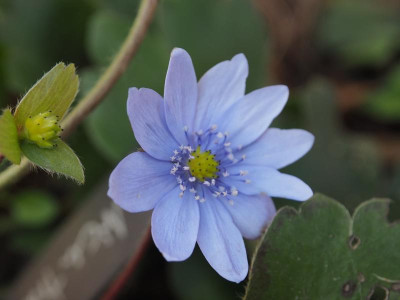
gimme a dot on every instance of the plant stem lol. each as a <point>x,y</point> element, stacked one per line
<point>115,70</point>
<point>102,87</point>
<point>116,286</point>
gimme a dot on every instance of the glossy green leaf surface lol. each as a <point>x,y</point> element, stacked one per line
<point>9,144</point>
<point>322,252</point>
<point>61,160</point>
<point>54,92</point>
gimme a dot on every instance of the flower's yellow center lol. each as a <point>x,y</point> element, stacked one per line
<point>203,165</point>
<point>42,129</point>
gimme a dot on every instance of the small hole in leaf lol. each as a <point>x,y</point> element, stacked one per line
<point>354,242</point>
<point>348,288</point>
<point>379,293</point>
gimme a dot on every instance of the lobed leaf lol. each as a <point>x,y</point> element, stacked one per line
<point>321,252</point>
<point>60,159</point>
<point>54,92</point>
<point>9,144</point>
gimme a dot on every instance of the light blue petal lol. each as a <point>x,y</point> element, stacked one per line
<point>146,112</point>
<point>139,182</point>
<point>220,241</point>
<point>267,180</point>
<point>180,94</point>
<point>251,116</point>
<point>251,214</point>
<point>175,224</point>
<point>278,148</point>
<point>219,88</point>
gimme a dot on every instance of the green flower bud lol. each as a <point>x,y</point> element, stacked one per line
<point>42,129</point>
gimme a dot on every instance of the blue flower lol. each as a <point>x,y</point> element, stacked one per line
<point>210,162</point>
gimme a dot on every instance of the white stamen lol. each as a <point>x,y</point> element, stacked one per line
<point>227,144</point>
<point>179,158</point>
<point>182,187</point>
<point>200,132</point>
<point>234,192</point>
<point>221,188</point>
<point>213,127</point>
<point>192,179</point>
<point>173,158</point>
<point>185,128</point>
<point>186,168</point>
<point>247,181</point>
<point>231,157</point>
<point>197,197</point>
<point>206,183</point>
<point>202,200</point>
<point>216,194</point>
<point>192,190</point>
<point>191,156</point>
<point>181,147</point>
<point>220,135</point>
<point>226,133</point>
<point>225,174</point>
<point>189,149</point>
<point>176,152</point>
<point>213,181</point>
<point>225,193</point>
<point>177,164</point>
<point>173,170</point>
<point>243,172</point>
<point>179,179</point>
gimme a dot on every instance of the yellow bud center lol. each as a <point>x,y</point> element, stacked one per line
<point>42,129</point>
<point>203,165</point>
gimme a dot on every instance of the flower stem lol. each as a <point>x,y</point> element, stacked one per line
<point>102,87</point>
<point>116,286</point>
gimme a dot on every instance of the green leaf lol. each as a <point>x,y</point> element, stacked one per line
<point>108,126</point>
<point>32,41</point>
<point>342,31</point>
<point>384,103</point>
<point>55,91</point>
<point>33,209</point>
<point>321,252</point>
<point>106,33</point>
<point>9,144</point>
<point>61,159</point>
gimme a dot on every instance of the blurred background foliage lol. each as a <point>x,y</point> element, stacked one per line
<point>340,58</point>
